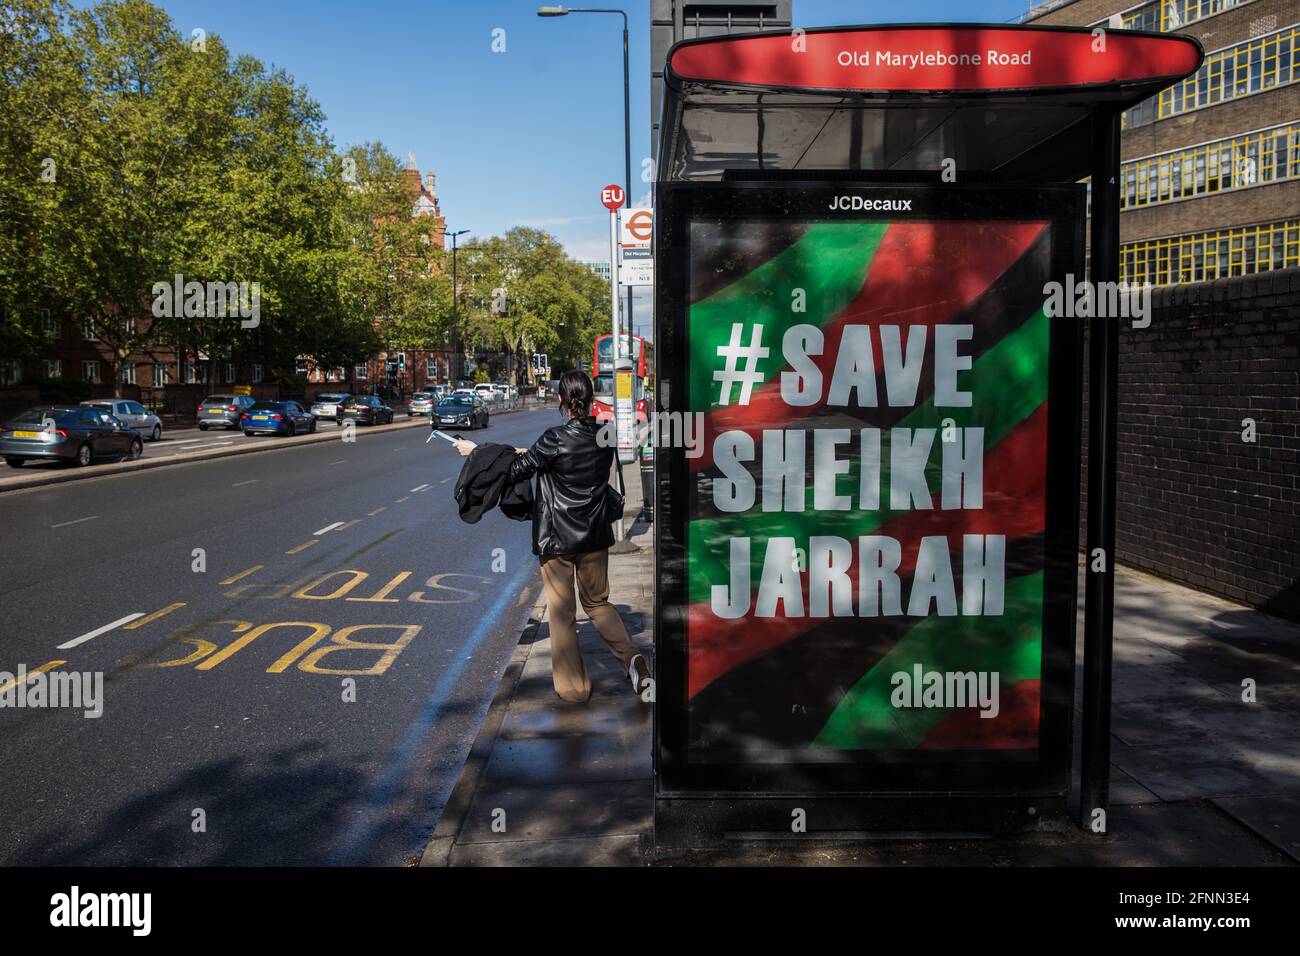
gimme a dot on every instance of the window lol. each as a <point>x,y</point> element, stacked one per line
<point>361,371</point>
<point>54,368</point>
<point>159,375</point>
<point>1251,159</point>
<point>257,373</point>
<point>11,372</point>
<point>230,373</point>
<point>53,328</point>
<point>1168,15</point>
<point>88,331</point>
<point>90,371</point>
<point>301,366</point>
<point>127,373</point>
<point>431,368</point>
<point>1251,66</point>
<point>1201,257</point>
<point>192,374</point>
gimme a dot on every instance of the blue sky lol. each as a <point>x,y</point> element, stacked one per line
<point>525,136</point>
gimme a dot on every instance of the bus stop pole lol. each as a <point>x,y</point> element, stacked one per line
<point>613,354</point>
<point>1103,418</point>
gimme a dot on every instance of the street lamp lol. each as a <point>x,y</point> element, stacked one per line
<point>455,325</point>
<point>559,11</point>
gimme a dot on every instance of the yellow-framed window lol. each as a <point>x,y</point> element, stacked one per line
<point>1250,159</point>
<point>1252,66</point>
<point>1200,257</point>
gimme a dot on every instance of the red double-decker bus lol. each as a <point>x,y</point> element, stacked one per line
<point>602,368</point>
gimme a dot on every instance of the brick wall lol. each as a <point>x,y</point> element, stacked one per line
<point>1197,504</point>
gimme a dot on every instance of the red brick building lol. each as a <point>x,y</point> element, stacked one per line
<point>404,370</point>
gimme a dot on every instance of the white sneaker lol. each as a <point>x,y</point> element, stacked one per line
<point>638,677</point>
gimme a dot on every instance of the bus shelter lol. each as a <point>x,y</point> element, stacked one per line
<point>868,490</point>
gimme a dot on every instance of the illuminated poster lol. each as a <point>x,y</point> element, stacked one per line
<point>867,571</point>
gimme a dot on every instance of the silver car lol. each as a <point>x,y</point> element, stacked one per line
<point>132,414</point>
<point>421,403</point>
<point>327,404</point>
<point>223,411</point>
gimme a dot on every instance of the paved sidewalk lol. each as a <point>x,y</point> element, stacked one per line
<point>1199,777</point>
<point>554,783</point>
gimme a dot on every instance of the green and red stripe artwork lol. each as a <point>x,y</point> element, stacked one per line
<point>865,546</point>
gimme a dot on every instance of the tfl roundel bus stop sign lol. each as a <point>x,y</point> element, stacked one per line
<point>868,550</point>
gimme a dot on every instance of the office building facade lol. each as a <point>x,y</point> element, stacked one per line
<point>1210,185</point>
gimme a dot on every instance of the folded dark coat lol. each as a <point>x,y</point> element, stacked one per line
<point>484,483</point>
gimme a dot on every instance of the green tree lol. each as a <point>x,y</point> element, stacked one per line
<point>526,295</point>
<point>391,269</point>
<point>39,89</point>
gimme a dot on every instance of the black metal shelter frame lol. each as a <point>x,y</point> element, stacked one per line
<point>728,122</point>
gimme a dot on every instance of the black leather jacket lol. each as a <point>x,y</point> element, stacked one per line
<point>572,474</point>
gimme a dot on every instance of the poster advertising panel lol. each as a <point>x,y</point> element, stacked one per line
<point>868,569</point>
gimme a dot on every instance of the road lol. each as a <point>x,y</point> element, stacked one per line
<point>318,637</point>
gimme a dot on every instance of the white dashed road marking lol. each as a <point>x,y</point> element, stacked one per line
<point>64,524</point>
<point>99,630</point>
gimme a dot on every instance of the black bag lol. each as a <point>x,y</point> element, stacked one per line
<point>612,508</point>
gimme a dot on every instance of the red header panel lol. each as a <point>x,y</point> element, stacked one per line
<point>950,58</point>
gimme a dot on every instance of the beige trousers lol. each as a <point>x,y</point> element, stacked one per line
<point>568,671</point>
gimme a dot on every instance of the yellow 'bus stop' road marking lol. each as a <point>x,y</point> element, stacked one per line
<point>154,616</point>
<point>243,574</point>
<point>30,674</point>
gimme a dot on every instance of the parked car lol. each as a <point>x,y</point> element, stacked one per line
<point>465,410</point>
<point>76,434</point>
<point>131,414</point>
<point>277,418</point>
<point>365,410</point>
<point>487,391</point>
<point>223,411</point>
<point>505,390</point>
<point>421,403</point>
<point>327,404</point>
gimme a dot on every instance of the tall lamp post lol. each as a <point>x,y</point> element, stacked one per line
<point>557,11</point>
<point>455,323</point>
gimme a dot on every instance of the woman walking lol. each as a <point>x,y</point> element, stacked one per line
<point>572,536</point>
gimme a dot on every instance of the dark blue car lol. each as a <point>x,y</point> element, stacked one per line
<point>277,418</point>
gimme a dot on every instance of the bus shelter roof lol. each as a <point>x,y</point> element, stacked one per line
<point>1011,102</point>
